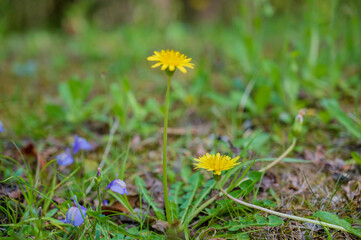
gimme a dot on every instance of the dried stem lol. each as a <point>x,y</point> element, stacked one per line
<point>281,214</point>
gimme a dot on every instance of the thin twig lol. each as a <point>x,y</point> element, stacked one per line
<point>289,149</point>
<point>281,214</point>
<point>245,96</point>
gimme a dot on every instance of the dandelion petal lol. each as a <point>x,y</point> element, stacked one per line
<point>171,59</point>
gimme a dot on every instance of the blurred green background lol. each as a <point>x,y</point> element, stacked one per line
<point>72,64</point>
<point>79,66</point>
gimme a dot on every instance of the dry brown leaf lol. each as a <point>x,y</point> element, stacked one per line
<point>30,150</point>
<point>200,150</point>
<point>269,180</point>
<point>118,207</point>
<point>353,190</point>
<point>161,226</point>
<point>11,193</point>
<point>135,142</point>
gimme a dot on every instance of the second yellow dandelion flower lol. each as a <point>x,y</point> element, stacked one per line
<point>216,163</point>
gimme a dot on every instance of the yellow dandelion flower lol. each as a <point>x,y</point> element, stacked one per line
<point>171,59</point>
<point>216,163</point>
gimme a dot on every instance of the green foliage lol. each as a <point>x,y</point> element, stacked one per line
<point>334,219</point>
<point>190,192</point>
<point>148,198</point>
<point>248,185</point>
<point>336,112</point>
<point>356,157</point>
<point>174,198</point>
<point>253,72</point>
<point>238,224</point>
<point>262,98</point>
<point>77,107</point>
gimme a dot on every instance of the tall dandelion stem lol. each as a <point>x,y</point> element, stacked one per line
<point>165,135</point>
<point>169,61</point>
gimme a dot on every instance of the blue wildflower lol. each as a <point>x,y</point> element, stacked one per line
<point>81,144</point>
<point>39,212</point>
<point>1,127</point>
<point>117,186</point>
<point>74,216</point>
<point>65,159</point>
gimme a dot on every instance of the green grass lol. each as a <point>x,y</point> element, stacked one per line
<point>254,71</point>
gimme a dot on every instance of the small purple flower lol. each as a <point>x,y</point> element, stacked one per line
<point>1,127</point>
<point>117,186</point>
<point>39,212</point>
<point>98,173</point>
<point>65,159</point>
<point>74,216</point>
<point>81,144</point>
<point>105,202</point>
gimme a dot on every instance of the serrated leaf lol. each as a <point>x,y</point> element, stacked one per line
<point>234,226</point>
<point>242,236</point>
<point>211,210</point>
<point>334,219</point>
<point>269,203</point>
<point>261,220</point>
<point>236,193</point>
<point>204,192</point>
<point>174,197</point>
<point>255,176</point>
<point>173,210</point>
<point>194,182</point>
<point>51,212</point>
<point>247,186</point>
<point>146,196</point>
<point>98,232</point>
<point>274,221</point>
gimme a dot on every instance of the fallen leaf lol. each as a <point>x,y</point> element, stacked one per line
<point>118,207</point>
<point>11,193</point>
<point>161,226</point>
<point>269,180</point>
<point>135,142</point>
<point>318,157</point>
<point>155,187</point>
<point>30,150</point>
<point>353,190</point>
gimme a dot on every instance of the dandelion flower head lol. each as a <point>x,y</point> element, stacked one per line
<point>171,59</point>
<point>216,163</point>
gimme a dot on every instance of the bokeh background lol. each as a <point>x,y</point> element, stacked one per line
<point>79,67</point>
<point>72,63</point>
